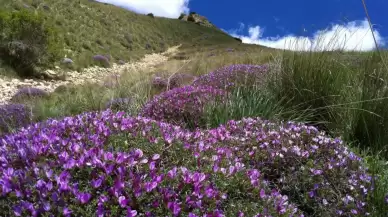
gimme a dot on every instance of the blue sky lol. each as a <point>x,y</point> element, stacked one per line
<point>295,25</point>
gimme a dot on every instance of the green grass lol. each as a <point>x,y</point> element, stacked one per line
<point>350,99</point>
<point>254,101</point>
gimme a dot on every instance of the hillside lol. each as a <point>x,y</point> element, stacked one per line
<point>87,28</point>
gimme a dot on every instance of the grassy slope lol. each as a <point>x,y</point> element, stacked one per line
<point>89,28</point>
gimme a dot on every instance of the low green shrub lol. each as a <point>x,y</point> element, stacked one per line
<point>28,41</point>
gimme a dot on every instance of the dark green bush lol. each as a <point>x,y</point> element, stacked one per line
<point>181,16</point>
<point>151,15</point>
<point>191,18</point>
<point>27,41</point>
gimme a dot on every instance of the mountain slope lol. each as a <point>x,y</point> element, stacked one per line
<point>89,28</point>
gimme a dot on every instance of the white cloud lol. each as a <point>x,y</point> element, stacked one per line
<point>351,36</point>
<point>162,8</point>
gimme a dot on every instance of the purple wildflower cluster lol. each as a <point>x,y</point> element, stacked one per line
<point>104,60</point>
<point>316,172</point>
<point>67,61</point>
<point>68,167</point>
<point>233,75</point>
<point>183,105</point>
<point>28,92</point>
<point>13,116</point>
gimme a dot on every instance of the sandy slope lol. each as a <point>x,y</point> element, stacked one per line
<point>8,87</point>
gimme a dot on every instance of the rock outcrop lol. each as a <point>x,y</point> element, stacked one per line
<point>197,19</point>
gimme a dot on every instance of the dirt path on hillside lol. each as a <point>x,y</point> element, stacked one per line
<point>8,87</point>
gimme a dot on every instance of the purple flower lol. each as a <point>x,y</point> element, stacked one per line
<point>174,207</point>
<point>123,201</point>
<point>84,197</point>
<point>172,173</point>
<point>131,213</point>
<point>262,193</point>
<point>149,186</point>
<point>17,210</point>
<point>66,211</point>
<point>97,183</point>
<point>138,153</point>
<point>156,157</point>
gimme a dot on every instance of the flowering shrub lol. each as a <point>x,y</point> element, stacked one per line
<point>27,49</point>
<point>67,61</point>
<point>103,60</point>
<point>118,104</point>
<point>182,106</point>
<point>233,75</point>
<point>28,92</point>
<point>74,167</point>
<point>13,116</point>
<point>65,168</point>
<point>318,173</point>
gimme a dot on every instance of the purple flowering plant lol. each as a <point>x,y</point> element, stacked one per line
<point>182,106</point>
<point>75,167</point>
<point>103,60</point>
<point>28,93</point>
<point>13,116</point>
<point>231,76</point>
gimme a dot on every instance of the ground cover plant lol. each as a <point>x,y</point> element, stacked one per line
<point>14,116</point>
<point>47,168</point>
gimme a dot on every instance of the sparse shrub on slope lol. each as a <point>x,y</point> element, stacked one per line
<point>191,18</point>
<point>108,163</point>
<point>182,106</point>
<point>27,41</point>
<point>13,116</point>
<point>28,93</point>
<point>238,39</point>
<point>181,16</point>
<point>101,60</point>
<point>233,75</point>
